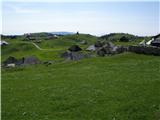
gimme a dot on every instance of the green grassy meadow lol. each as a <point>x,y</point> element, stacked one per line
<point>119,87</point>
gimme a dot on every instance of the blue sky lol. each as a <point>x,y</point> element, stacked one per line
<point>93,16</point>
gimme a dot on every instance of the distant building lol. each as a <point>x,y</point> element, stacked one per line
<point>149,42</point>
<point>155,41</point>
<point>56,36</point>
<point>3,43</point>
<point>91,48</point>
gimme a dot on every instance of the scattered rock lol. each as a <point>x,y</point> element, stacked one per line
<point>145,50</point>
<point>110,49</point>
<point>91,48</point>
<point>30,60</point>
<point>101,52</point>
<point>11,65</point>
<point>99,44</point>
<point>12,61</point>
<point>121,49</point>
<point>68,55</point>
<point>106,49</point>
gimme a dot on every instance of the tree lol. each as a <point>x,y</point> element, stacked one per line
<point>124,39</point>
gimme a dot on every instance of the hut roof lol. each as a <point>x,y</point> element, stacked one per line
<point>91,48</point>
<point>74,48</point>
<point>3,43</point>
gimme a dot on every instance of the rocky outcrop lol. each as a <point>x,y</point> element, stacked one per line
<point>68,55</point>
<point>30,60</point>
<point>110,49</point>
<point>145,50</point>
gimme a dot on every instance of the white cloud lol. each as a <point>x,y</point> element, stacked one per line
<point>22,10</point>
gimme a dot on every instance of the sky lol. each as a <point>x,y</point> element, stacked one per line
<point>92,16</point>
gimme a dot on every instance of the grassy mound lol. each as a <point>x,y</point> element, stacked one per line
<point>19,48</point>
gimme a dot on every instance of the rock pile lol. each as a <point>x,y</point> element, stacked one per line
<point>12,61</point>
<point>145,50</point>
<point>68,55</point>
<point>109,49</point>
<point>74,53</point>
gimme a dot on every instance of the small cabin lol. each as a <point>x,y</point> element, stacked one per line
<point>156,41</point>
<point>3,43</point>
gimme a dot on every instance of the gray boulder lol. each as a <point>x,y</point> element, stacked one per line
<point>68,55</point>
<point>99,44</point>
<point>31,60</point>
<point>110,49</point>
<point>91,48</point>
<point>145,50</point>
<point>107,49</point>
<point>10,60</point>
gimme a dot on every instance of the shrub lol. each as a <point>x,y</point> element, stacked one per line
<point>124,39</point>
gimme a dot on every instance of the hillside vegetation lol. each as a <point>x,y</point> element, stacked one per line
<point>118,36</point>
<point>19,47</point>
<point>120,87</point>
<point>123,87</point>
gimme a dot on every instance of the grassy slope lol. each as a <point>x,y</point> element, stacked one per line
<point>19,48</point>
<point>115,37</point>
<point>121,87</point>
<point>68,40</point>
<point>136,42</point>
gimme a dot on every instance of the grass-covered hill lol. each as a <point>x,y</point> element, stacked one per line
<point>42,34</point>
<point>120,87</point>
<point>124,38</point>
<point>118,36</point>
<point>19,47</point>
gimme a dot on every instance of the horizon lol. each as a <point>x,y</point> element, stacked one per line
<point>92,17</point>
<point>80,33</point>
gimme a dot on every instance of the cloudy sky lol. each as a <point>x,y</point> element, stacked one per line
<point>92,16</point>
